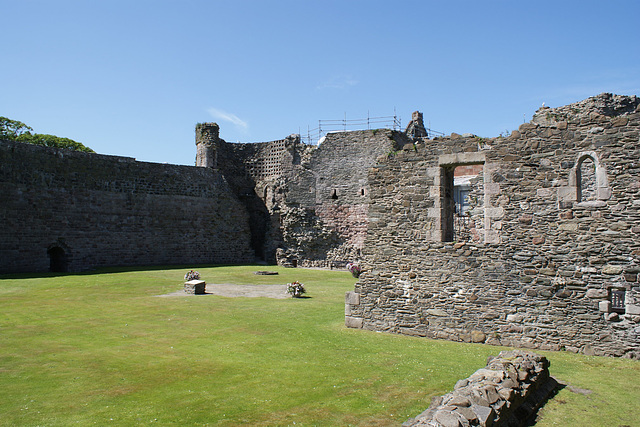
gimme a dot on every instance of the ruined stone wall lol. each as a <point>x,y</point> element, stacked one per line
<point>258,174</point>
<point>106,210</point>
<point>507,392</point>
<point>327,199</point>
<point>555,268</point>
<point>308,204</point>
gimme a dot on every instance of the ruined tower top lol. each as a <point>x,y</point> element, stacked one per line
<point>415,128</point>
<point>207,133</point>
<point>207,136</point>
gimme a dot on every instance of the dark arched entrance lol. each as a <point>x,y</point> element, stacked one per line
<point>58,262</point>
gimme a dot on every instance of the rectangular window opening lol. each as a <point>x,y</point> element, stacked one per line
<point>617,300</point>
<point>462,203</point>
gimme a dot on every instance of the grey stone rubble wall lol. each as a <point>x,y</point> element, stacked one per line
<point>327,198</point>
<point>313,200</point>
<point>544,271</point>
<point>269,160</point>
<point>257,173</point>
<point>507,392</point>
<point>111,211</point>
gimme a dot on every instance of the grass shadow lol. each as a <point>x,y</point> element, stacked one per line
<point>114,269</point>
<point>529,411</point>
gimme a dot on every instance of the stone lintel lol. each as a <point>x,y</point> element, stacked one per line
<point>593,204</point>
<point>456,159</point>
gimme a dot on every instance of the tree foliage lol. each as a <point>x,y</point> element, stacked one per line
<point>11,129</point>
<point>14,130</point>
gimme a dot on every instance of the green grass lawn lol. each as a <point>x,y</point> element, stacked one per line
<point>100,348</point>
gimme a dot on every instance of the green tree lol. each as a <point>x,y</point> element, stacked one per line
<point>53,141</point>
<point>11,129</point>
<point>14,130</point>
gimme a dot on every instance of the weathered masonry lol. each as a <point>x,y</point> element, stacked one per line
<point>545,252</point>
<point>64,210</point>
<point>308,205</point>
<point>530,240</point>
<point>280,201</point>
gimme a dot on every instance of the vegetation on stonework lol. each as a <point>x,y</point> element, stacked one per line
<point>101,348</point>
<point>14,130</point>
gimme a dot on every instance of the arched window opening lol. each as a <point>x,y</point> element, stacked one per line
<point>586,180</point>
<point>334,195</point>
<point>362,192</point>
<point>58,262</point>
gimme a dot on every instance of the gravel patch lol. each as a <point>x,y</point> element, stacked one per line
<point>226,290</point>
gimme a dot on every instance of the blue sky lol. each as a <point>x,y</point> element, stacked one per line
<point>133,77</point>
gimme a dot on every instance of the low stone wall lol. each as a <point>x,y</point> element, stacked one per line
<point>507,392</point>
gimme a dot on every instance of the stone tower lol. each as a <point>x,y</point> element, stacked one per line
<point>415,128</point>
<point>207,137</point>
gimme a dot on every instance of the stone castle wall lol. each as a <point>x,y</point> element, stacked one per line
<point>308,204</point>
<point>557,260</point>
<point>329,197</point>
<point>545,253</point>
<point>257,174</point>
<point>105,210</point>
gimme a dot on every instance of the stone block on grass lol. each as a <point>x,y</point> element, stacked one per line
<point>195,287</point>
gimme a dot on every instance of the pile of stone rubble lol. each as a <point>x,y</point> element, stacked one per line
<point>507,392</point>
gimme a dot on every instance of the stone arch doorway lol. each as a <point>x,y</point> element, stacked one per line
<point>58,259</point>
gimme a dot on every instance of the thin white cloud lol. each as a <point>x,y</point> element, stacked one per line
<point>338,82</point>
<point>228,117</point>
<point>616,81</point>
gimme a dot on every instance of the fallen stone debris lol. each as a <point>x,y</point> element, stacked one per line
<point>507,392</point>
